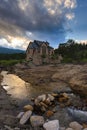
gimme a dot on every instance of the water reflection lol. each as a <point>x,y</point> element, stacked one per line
<point>14,85</point>
<point>19,89</point>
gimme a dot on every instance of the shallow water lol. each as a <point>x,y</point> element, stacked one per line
<point>20,89</point>
<point>14,86</point>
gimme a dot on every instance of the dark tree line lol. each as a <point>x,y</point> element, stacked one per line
<point>72,51</point>
<point>15,56</point>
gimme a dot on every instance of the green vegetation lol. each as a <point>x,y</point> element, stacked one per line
<point>72,52</point>
<point>11,59</point>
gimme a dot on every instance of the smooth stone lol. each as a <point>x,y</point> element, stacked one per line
<point>36,101</point>
<point>62,128</point>
<point>36,121</point>
<point>51,125</point>
<point>43,109</point>
<point>43,104</point>
<point>65,95</point>
<point>49,113</point>
<point>39,99</point>
<point>51,97</point>
<point>25,117</point>
<point>20,115</point>
<point>28,107</point>
<point>75,125</point>
<point>47,101</point>
<point>42,97</point>
<point>54,94</point>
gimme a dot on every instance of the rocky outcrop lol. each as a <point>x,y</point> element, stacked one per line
<point>75,76</point>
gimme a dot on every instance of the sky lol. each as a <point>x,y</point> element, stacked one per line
<point>55,21</point>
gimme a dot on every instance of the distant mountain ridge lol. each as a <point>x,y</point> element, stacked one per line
<point>5,50</point>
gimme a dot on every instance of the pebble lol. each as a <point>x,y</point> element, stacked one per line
<point>43,104</point>
<point>43,109</point>
<point>20,115</point>
<point>65,95</point>
<point>28,107</point>
<point>25,117</point>
<point>51,97</point>
<point>75,125</point>
<point>51,125</point>
<point>69,129</point>
<point>36,121</point>
<point>49,113</point>
<point>42,97</point>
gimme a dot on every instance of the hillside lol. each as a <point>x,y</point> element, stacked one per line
<point>5,50</point>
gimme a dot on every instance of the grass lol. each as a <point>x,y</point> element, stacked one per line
<point>10,62</point>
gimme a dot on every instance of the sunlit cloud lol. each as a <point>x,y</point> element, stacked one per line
<point>70,16</point>
<point>25,20</point>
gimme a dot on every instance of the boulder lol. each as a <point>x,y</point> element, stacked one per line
<point>36,121</point>
<point>51,125</point>
<point>75,125</point>
<point>25,117</point>
<point>78,84</point>
<point>28,107</point>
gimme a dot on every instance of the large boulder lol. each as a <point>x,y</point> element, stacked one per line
<point>78,84</point>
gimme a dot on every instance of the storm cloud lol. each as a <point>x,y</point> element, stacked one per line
<point>25,20</point>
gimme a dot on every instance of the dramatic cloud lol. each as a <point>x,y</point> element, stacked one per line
<point>25,20</point>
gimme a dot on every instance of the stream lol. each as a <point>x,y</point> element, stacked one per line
<point>23,91</point>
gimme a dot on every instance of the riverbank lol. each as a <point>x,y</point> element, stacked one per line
<point>42,80</point>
